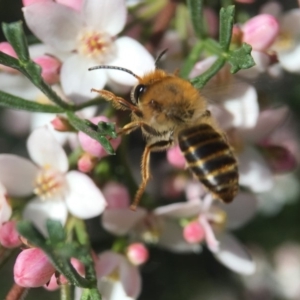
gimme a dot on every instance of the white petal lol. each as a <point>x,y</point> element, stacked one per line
<point>42,49</point>
<point>271,8</point>
<point>179,210</point>
<point>17,174</point>
<point>121,221</point>
<point>54,24</point>
<point>45,151</point>
<point>105,15</point>
<point>77,81</point>
<point>38,211</point>
<point>133,56</point>
<point>107,263</point>
<point>210,238</point>
<point>242,104</point>
<point>254,171</point>
<point>290,22</point>
<point>290,60</point>
<point>5,209</point>
<point>241,210</point>
<point>130,278</point>
<point>112,290</point>
<point>171,238</point>
<point>84,199</point>
<point>234,256</point>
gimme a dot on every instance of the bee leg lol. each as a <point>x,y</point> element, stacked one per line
<point>161,145</point>
<point>118,102</point>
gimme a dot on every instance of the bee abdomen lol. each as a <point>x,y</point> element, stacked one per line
<point>211,159</point>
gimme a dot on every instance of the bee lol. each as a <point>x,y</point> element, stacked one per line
<point>169,111</point>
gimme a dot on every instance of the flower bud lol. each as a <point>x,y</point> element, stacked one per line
<point>52,285</point>
<point>86,163</point>
<point>6,48</point>
<point>176,158</point>
<point>78,266</point>
<point>261,31</point>
<point>137,253</point>
<point>193,232</point>
<point>75,4</point>
<point>9,236</point>
<point>29,2</point>
<point>32,268</point>
<point>61,124</point>
<point>50,68</point>
<point>92,146</point>
<point>116,195</point>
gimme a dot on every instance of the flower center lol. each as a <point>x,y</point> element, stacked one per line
<point>49,183</point>
<point>97,45</point>
<point>284,41</point>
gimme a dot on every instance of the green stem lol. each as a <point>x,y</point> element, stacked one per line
<point>213,47</point>
<point>195,8</point>
<point>200,81</point>
<point>92,102</point>
<point>65,292</point>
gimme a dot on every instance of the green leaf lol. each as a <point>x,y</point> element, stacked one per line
<point>56,232</point>
<point>35,72</point>
<point>196,13</point>
<point>226,24</point>
<point>86,127</point>
<point>15,36</point>
<point>241,58</point>
<point>14,102</point>
<point>10,61</point>
<point>27,230</point>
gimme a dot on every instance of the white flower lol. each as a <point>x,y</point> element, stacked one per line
<point>57,191</point>
<point>89,38</point>
<point>5,208</point>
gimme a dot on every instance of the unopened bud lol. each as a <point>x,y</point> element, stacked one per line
<point>6,48</point>
<point>261,31</point>
<point>32,268</point>
<point>62,124</point>
<point>50,68</point>
<point>86,163</point>
<point>9,236</point>
<point>29,2</point>
<point>193,232</point>
<point>116,195</point>
<point>137,253</point>
<point>176,158</point>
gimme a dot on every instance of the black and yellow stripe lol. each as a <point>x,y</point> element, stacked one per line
<point>210,158</point>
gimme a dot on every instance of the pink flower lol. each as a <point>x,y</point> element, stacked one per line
<point>57,190</point>
<point>92,146</point>
<point>88,36</point>
<point>260,31</point>
<point>32,268</point>
<point>9,236</point>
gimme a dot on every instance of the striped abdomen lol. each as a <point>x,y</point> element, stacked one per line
<point>211,160</point>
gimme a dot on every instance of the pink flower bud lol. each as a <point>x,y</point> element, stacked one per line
<point>137,253</point>
<point>193,232</point>
<point>75,4</point>
<point>78,266</point>
<point>94,147</point>
<point>116,195</point>
<point>9,236</point>
<point>176,158</point>
<point>32,268</point>
<point>6,48</point>
<point>62,124</point>
<point>86,163</point>
<point>52,285</point>
<point>29,2</point>
<point>260,31</point>
<point>50,68</point>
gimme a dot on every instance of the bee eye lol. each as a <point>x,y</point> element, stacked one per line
<point>138,92</point>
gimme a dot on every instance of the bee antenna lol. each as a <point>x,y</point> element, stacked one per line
<point>114,68</point>
<point>160,56</point>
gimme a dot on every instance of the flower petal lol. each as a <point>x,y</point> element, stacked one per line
<point>107,263</point>
<point>290,60</point>
<point>5,209</point>
<point>130,278</point>
<point>84,200</point>
<point>105,15</point>
<point>133,56</point>
<point>241,210</point>
<point>17,174</point>
<point>38,211</point>
<point>112,290</point>
<point>210,238</point>
<point>54,24</point>
<point>77,85</point>
<point>234,256</point>
<point>45,151</point>
<point>179,210</point>
<point>121,221</point>
<point>254,171</point>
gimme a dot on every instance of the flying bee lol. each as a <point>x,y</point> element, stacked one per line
<point>169,110</point>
